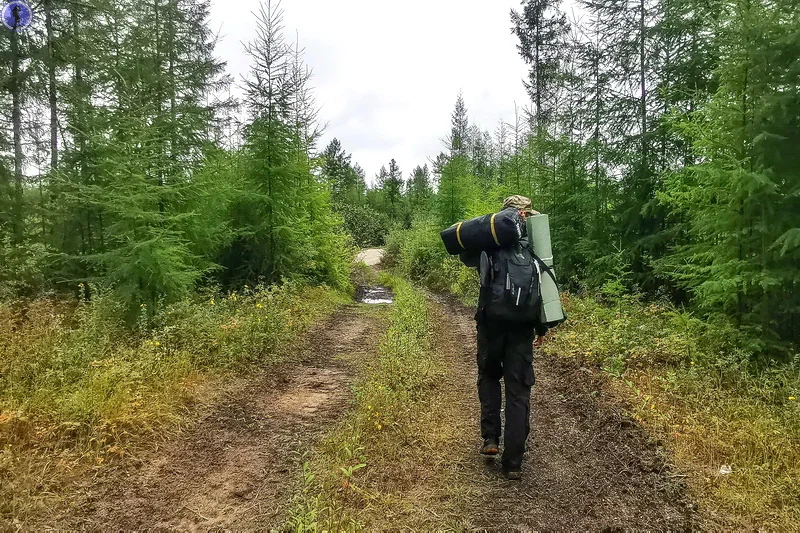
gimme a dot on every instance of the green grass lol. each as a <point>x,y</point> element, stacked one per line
<point>694,384</point>
<point>382,466</point>
<point>78,386</point>
<point>690,385</point>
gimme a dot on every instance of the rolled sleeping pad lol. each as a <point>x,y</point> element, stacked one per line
<point>538,227</point>
<point>486,233</point>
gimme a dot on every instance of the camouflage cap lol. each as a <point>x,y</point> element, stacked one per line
<point>519,202</point>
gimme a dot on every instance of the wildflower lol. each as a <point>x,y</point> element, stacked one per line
<point>211,302</point>
<point>792,398</point>
<point>379,427</point>
<point>369,407</point>
<point>692,363</point>
<point>157,343</point>
<point>653,406</point>
<point>259,306</point>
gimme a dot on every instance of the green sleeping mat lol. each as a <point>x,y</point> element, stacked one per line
<point>538,227</point>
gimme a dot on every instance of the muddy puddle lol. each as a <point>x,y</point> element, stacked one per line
<point>374,295</point>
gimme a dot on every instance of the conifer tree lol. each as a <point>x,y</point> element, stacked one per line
<point>739,200</point>
<point>419,188</point>
<point>346,185</point>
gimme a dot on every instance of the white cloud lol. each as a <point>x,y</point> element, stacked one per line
<point>387,74</point>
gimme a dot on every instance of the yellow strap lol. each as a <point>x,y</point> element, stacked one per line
<point>494,232</point>
<point>458,235</point>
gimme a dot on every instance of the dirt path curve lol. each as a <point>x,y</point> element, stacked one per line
<point>589,468</point>
<point>370,256</point>
<point>237,467</point>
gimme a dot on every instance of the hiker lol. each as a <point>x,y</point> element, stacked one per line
<point>505,350</point>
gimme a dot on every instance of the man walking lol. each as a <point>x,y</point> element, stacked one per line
<point>505,346</point>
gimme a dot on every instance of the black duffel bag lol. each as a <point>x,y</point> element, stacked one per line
<point>489,232</point>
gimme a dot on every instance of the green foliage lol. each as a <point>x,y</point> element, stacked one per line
<point>662,147</point>
<point>137,128</point>
<point>87,367</point>
<point>455,187</point>
<point>389,195</point>
<point>22,269</point>
<point>420,191</point>
<point>283,221</point>
<point>346,182</point>
<point>739,205</point>
<point>150,190</point>
<point>366,226</point>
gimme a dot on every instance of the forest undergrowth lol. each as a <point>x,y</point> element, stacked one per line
<point>690,382</point>
<point>80,388</point>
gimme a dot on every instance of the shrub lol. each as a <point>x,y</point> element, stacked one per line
<point>81,366</point>
<point>22,269</point>
<point>367,226</point>
<point>418,253</point>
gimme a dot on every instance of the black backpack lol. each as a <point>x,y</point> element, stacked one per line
<point>510,284</point>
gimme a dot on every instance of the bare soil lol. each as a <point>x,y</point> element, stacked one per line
<point>370,256</point>
<point>237,466</point>
<point>588,466</point>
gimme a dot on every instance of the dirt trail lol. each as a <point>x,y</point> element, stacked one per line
<point>588,466</point>
<point>370,256</point>
<point>237,467</point>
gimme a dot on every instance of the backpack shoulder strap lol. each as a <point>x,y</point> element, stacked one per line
<point>543,266</point>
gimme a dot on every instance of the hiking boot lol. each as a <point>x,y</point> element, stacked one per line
<point>512,474</point>
<point>490,448</point>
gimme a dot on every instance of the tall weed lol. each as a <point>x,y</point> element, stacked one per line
<point>76,380</point>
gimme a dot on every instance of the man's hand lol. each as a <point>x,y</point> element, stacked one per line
<point>539,341</point>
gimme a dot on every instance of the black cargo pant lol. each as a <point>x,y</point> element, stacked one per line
<point>505,350</point>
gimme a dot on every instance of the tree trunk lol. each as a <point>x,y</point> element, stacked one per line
<point>51,81</point>
<point>16,120</point>
<point>643,86</point>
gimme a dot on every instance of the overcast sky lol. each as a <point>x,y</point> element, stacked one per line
<point>387,74</point>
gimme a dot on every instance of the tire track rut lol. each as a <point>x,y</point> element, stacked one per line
<point>237,466</point>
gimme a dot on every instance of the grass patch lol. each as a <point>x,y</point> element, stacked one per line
<point>690,385</point>
<point>694,384</point>
<point>385,465</point>
<point>79,388</point>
